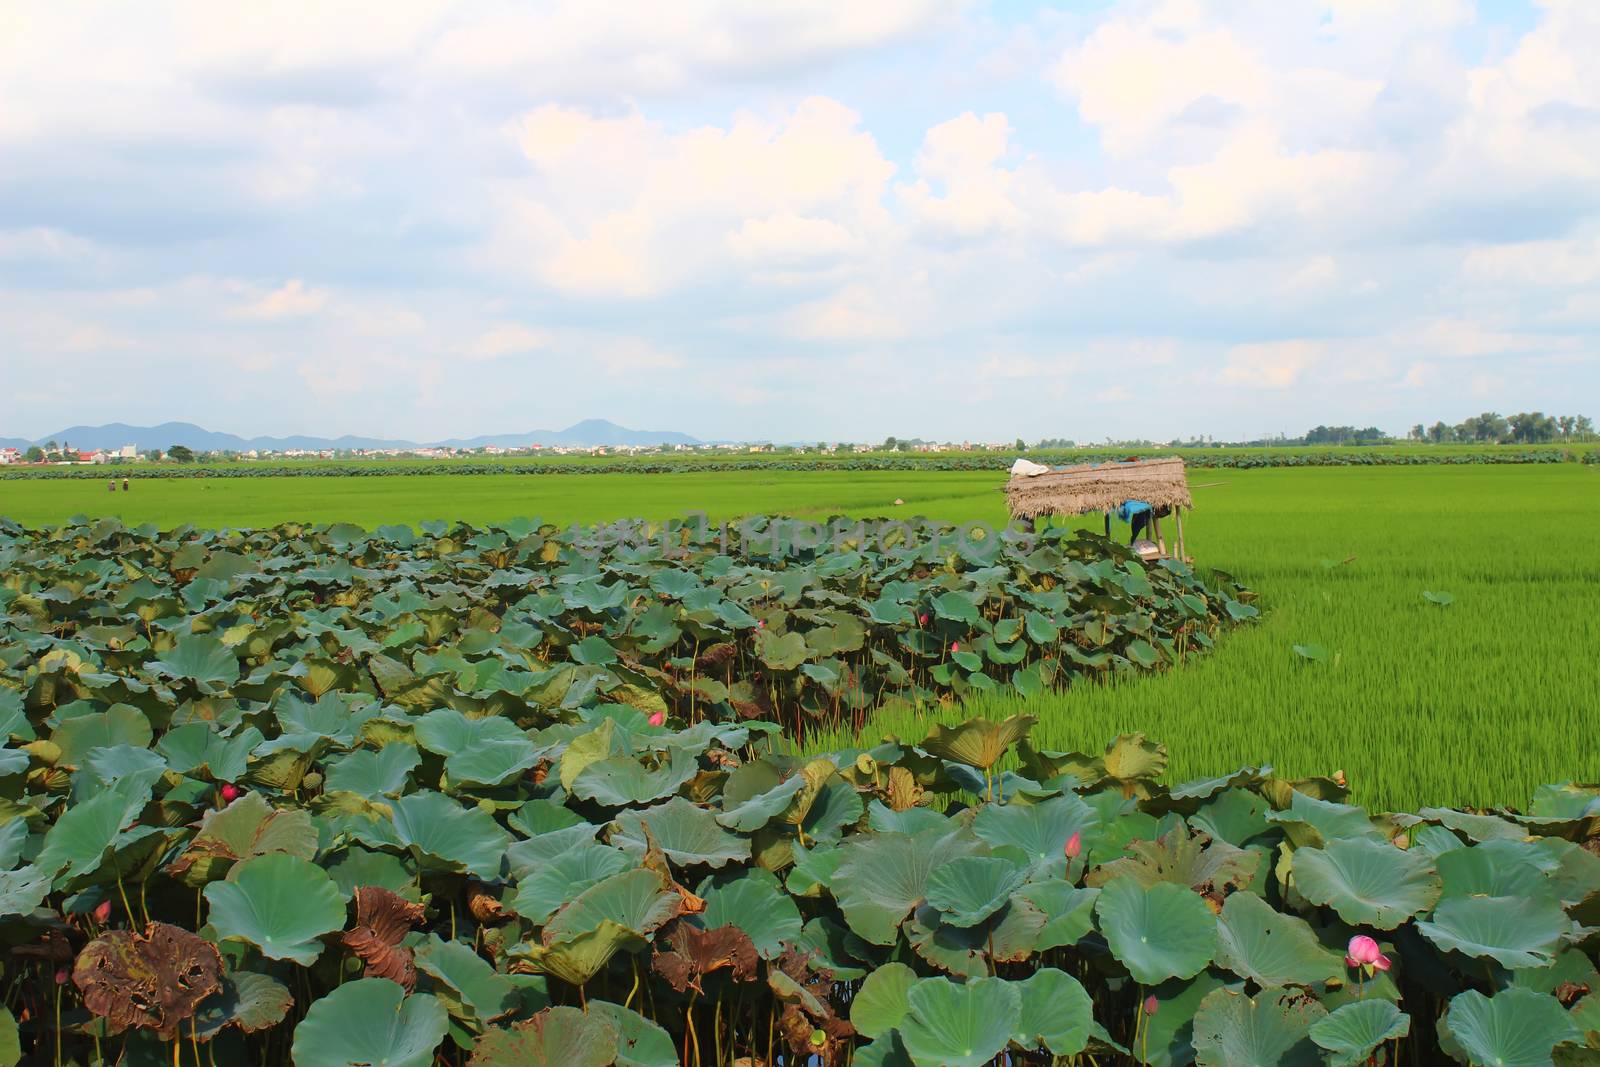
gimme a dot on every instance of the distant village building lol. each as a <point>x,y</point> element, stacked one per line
<point>10,455</point>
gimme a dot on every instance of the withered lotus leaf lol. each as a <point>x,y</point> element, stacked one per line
<point>149,981</point>
<point>695,952</point>
<point>382,920</point>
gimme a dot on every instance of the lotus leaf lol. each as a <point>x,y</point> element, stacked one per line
<point>978,742</point>
<point>1514,1028</point>
<point>246,828</point>
<point>441,833</point>
<point>579,958</point>
<point>755,902</point>
<point>965,1025</point>
<point>620,781</point>
<point>1368,882</point>
<point>968,889</point>
<point>686,833</point>
<point>370,1021</point>
<point>640,1042</point>
<point>1512,931</point>
<point>1041,830</point>
<point>639,901</point>
<point>1158,932</point>
<point>1068,912</point>
<point>1056,1013</point>
<point>884,876</point>
<point>553,882</point>
<point>369,773</point>
<point>881,1004</point>
<point>482,751</point>
<point>475,990</point>
<point>1353,1031</point>
<point>278,902</point>
<point>1269,947</point>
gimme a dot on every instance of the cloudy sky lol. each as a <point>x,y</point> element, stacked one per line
<point>797,219</point>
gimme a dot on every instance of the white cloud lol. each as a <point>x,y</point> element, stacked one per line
<point>289,301</point>
<point>1269,364</point>
<point>505,339</point>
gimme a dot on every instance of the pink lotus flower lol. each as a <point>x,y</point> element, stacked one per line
<point>61,976</point>
<point>922,620</point>
<point>102,912</point>
<point>229,792</point>
<point>1074,845</point>
<point>955,646</point>
<point>1151,1004</point>
<point>657,718</point>
<point>761,624</point>
<point>1363,952</point>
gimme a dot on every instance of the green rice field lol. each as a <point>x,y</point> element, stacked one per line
<point>1474,702</point>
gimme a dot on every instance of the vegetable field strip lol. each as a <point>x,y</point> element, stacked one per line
<point>1474,702</point>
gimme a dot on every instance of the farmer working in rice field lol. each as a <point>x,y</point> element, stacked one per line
<point>1137,513</point>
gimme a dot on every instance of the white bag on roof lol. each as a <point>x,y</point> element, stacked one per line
<point>1028,469</point>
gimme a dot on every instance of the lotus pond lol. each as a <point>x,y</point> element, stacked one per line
<point>321,796</point>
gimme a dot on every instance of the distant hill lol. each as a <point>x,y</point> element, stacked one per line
<point>589,433</point>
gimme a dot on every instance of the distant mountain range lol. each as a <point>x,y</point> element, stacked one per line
<point>590,433</point>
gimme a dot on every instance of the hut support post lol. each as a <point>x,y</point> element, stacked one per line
<point>1155,530</point>
<point>1177,516</point>
<point>1108,526</point>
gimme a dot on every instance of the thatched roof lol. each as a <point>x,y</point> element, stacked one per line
<point>1099,487</point>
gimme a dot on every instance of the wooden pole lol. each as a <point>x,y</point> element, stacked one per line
<point>1155,530</point>
<point>1177,515</point>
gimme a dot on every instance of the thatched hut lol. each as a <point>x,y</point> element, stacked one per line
<point>1105,487</point>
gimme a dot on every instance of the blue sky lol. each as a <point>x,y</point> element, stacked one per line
<point>799,220</point>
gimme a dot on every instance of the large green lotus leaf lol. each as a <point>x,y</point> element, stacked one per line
<point>476,990</point>
<point>834,806</point>
<point>640,1042</point>
<point>205,661</point>
<point>443,834</point>
<point>526,857</point>
<point>1476,827</point>
<point>198,750</point>
<point>580,958</point>
<point>78,841</point>
<point>755,902</point>
<point>369,773</point>
<point>249,1002</point>
<point>1512,931</point>
<point>638,900</point>
<point>1271,1029</point>
<point>246,828</point>
<point>622,780</point>
<point>1068,912</point>
<point>686,833</point>
<point>357,866</point>
<point>13,838</point>
<point>1270,947</point>
<point>483,751</point>
<point>1353,1032</point>
<point>23,890</point>
<point>1157,932</point>
<point>1235,816</point>
<point>758,810</point>
<point>556,1037</point>
<point>1514,1028</point>
<point>603,742</point>
<point>1056,1013</point>
<point>1368,882</point>
<point>1041,830</point>
<point>781,652</point>
<point>960,1025</point>
<point>883,876</point>
<point>117,725</point>
<point>279,903</point>
<point>881,1003</point>
<point>552,883</point>
<point>1497,868</point>
<point>969,889</point>
<point>370,1021</point>
<point>969,950</point>
<point>1310,821</point>
<point>978,742</point>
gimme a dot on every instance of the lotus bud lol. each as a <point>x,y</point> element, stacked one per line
<point>922,620</point>
<point>61,976</point>
<point>761,624</point>
<point>102,912</point>
<point>229,792</point>
<point>1363,952</point>
<point>1074,845</point>
<point>657,718</point>
<point>955,646</point>
<point>1151,1004</point>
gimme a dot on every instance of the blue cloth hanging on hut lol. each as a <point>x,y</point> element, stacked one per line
<point>1130,508</point>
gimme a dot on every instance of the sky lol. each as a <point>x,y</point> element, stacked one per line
<point>798,220</point>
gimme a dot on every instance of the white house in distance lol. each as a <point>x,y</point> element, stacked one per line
<point>9,456</point>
